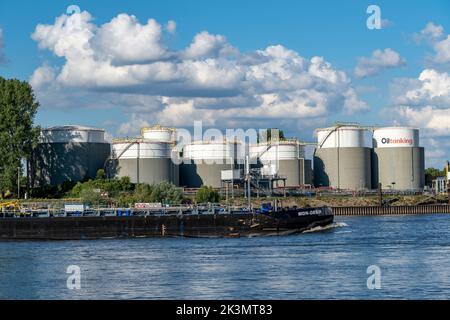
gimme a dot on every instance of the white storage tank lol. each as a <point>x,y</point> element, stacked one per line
<point>282,159</point>
<point>203,162</point>
<point>68,153</point>
<point>144,161</point>
<point>159,133</point>
<point>398,160</point>
<point>342,159</point>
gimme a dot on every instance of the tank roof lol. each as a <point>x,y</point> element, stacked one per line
<point>71,128</point>
<point>397,127</point>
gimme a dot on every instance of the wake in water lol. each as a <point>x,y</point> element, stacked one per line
<point>328,227</point>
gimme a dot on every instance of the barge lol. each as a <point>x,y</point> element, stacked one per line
<point>184,223</point>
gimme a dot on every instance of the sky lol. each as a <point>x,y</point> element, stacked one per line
<point>295,65</point>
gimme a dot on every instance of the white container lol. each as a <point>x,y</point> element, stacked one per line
<point>72,133</point>
<point>395,137</point>
<point>343,137</point>
<point>280,150</point>
<point>158,133</point>
<point>211,151</point>
<point>133,149</point>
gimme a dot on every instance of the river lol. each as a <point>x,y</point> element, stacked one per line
<point>412,254</point>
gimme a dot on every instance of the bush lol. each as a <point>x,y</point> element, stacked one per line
<point>101,175</point>
<point>207,194</point>
<point>166,193</point>
<point>91,197</point>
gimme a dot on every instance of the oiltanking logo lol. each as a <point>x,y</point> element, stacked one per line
<point>397,141</point>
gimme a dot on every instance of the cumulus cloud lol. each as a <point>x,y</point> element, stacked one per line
<point>379,60</point>
<point>430,32</point>
<point>436,37</point>
<point>129,64</point>
<point>2,53</point>
<point>431,88</point>
<point>424,103</point>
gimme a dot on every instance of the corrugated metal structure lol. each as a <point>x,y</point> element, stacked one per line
<point>342,159</point>
<point>203,162</point>
<point>283,159</point>
<point>68,153</point>
<point>398,160</point>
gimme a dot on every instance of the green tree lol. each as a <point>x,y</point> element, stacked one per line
<point>18,135</point>
<point>167,193</point>
<point>433,173</point>
<point>207,194</point>
<point>101,175</point>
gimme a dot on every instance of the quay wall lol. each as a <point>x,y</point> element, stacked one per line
<point>390,210</point>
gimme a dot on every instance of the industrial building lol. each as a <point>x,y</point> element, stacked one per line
<point>283,159</point>
<point>342,159</point>
<point>145,160</point>
<point>204,161</point>
<point>346,157</point>
<point>68,153</point>
<point>398,160</point>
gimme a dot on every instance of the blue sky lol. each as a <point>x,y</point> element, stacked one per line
<point>333,30</point>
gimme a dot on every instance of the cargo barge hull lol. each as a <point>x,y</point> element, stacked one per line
<point>181,225</point>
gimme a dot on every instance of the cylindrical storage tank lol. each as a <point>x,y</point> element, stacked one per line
<point>203,162</point>
<point>398,161</point>
<point>342,159</point>
<point>284,158</point>
<point>158,133</point>
<point>68,153</point>
<point>143,161</point>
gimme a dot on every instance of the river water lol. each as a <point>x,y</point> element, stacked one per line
<point>412,254</point>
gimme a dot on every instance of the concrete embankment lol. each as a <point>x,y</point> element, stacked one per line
<point>390,210</point>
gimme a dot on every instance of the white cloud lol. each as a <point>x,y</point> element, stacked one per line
<point>442,49</point>
<point>424,103</point>
<point>171,26</point>
<point>433,121</point>
<point>436,37</point>
<point>377,62</point>
<point>42,76</point>
<point>430,32</point>
<point>207,45</point>
<point>127,64</point>
<point>431,88</point>
<point>125,41</point>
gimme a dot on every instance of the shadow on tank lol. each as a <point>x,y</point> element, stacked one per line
<point>321,179</point>
<point>54,163</point>
<point>189,176</point>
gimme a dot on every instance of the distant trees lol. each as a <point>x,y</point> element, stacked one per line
<point>207,194</point>
<point>18,135</point>
<point>121,192</point>
<point>431,174</point>
<point>266,135</point>
<point>434,173</point>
